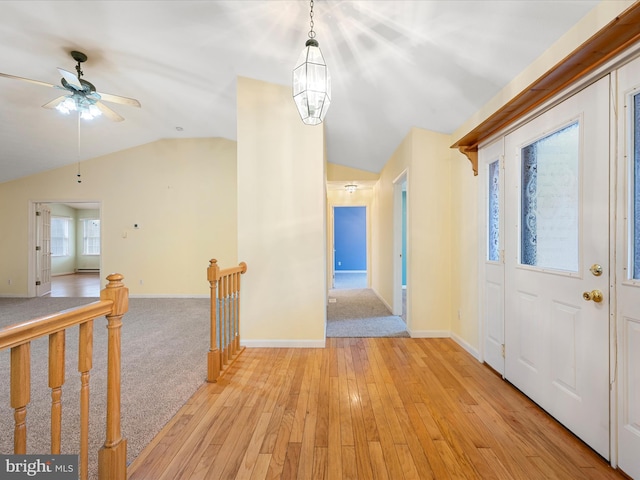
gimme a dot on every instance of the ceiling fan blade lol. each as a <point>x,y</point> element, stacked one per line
<point>54,103</point>
<point>107,112</point>
<point>71,78</point>
<point>107,97</point>
<point>37,82</point>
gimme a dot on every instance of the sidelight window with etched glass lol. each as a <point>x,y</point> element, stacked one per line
<point>635,189</point>
<point>493,220</point>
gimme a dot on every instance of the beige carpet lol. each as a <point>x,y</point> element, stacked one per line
<point>164,346</point>
<point>360,313</point>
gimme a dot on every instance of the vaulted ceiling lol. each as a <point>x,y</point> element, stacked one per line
<point>394,64</point>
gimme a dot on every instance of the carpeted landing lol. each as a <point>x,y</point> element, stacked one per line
<point>360,313</point>
<point>164,361</point>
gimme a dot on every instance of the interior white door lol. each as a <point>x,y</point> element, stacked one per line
<point>43,250</point>
<point>628,269</point>
<point>557,227</point>
<point>492,211</point>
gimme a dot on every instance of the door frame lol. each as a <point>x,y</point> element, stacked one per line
<point>31,238</point>
<point>400,183</point>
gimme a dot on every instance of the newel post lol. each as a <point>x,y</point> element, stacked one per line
<point>213,356</point>
<point>112,457</point>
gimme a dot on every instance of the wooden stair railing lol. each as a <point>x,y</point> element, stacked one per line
<point>113,303</point>
<point>225,318</point>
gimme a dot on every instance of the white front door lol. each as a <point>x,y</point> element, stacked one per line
<point>556,229</point>
<point>43,250</point>
<point>628,269</point>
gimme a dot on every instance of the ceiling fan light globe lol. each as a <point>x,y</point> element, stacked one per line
<point>95,111</point>
<point>62,109</point>
<point>70,104</point>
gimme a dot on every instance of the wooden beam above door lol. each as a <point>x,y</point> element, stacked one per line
<point>611,40</point>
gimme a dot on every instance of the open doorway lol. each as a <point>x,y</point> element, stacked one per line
<point>67,247</point>
<point>400,226</point>
<point>350,247</point>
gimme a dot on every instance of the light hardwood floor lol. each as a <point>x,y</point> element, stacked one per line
<point>75,285</point>
<point>368,408</point>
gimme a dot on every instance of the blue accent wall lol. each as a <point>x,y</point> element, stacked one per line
<point>350,238</point>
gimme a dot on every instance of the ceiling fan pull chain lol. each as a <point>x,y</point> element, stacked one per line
<point>78,174</point>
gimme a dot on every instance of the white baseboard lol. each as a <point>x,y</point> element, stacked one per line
<point>14,295</point>
<point>283,343</point>
<point>382,300</point>
<point>429,333</point>
<point>464,344</point>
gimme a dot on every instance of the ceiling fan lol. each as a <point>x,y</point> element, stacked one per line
<point>81,95</point>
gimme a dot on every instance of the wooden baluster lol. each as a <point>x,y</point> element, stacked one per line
<point>213,356</point>
<point>242,272</point>
<point>20,394</point>
<point>227,320</point>
<point>56,380</point>
<point>223,322</point>
<point>236,290</point>
<point>112,457</point>
<point>85,363</point>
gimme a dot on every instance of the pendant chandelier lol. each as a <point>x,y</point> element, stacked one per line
<point>311,81</point>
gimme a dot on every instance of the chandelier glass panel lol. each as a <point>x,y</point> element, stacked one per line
<point>311,81</point>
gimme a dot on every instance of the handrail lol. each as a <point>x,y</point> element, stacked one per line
<point>225,313</point>
<point>114,303</point>
<point>29,330</point>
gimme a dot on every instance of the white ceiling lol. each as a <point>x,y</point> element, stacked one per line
<point>394,65</point>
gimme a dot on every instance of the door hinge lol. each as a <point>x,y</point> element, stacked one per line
<point>38,248</point>
<point>38,214</point>
<point>503,354</point>
<point>38,283</point>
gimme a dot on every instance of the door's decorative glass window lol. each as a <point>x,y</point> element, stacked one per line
<point>550,200</point>
<point>636,187</point>
<point>494,212</point>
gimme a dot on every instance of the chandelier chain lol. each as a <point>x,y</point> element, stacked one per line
<point>312,34</point>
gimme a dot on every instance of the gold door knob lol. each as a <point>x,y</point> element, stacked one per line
<point>595,295</point>
<point>596,270</point>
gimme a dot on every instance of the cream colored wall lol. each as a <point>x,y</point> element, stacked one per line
<point>382,239</point>
<point>426,158</point>
<point>281,219</point>
<point>429,252</point>
<point>342,173</point>
<point>181,192</point>
<point>465,327</point>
